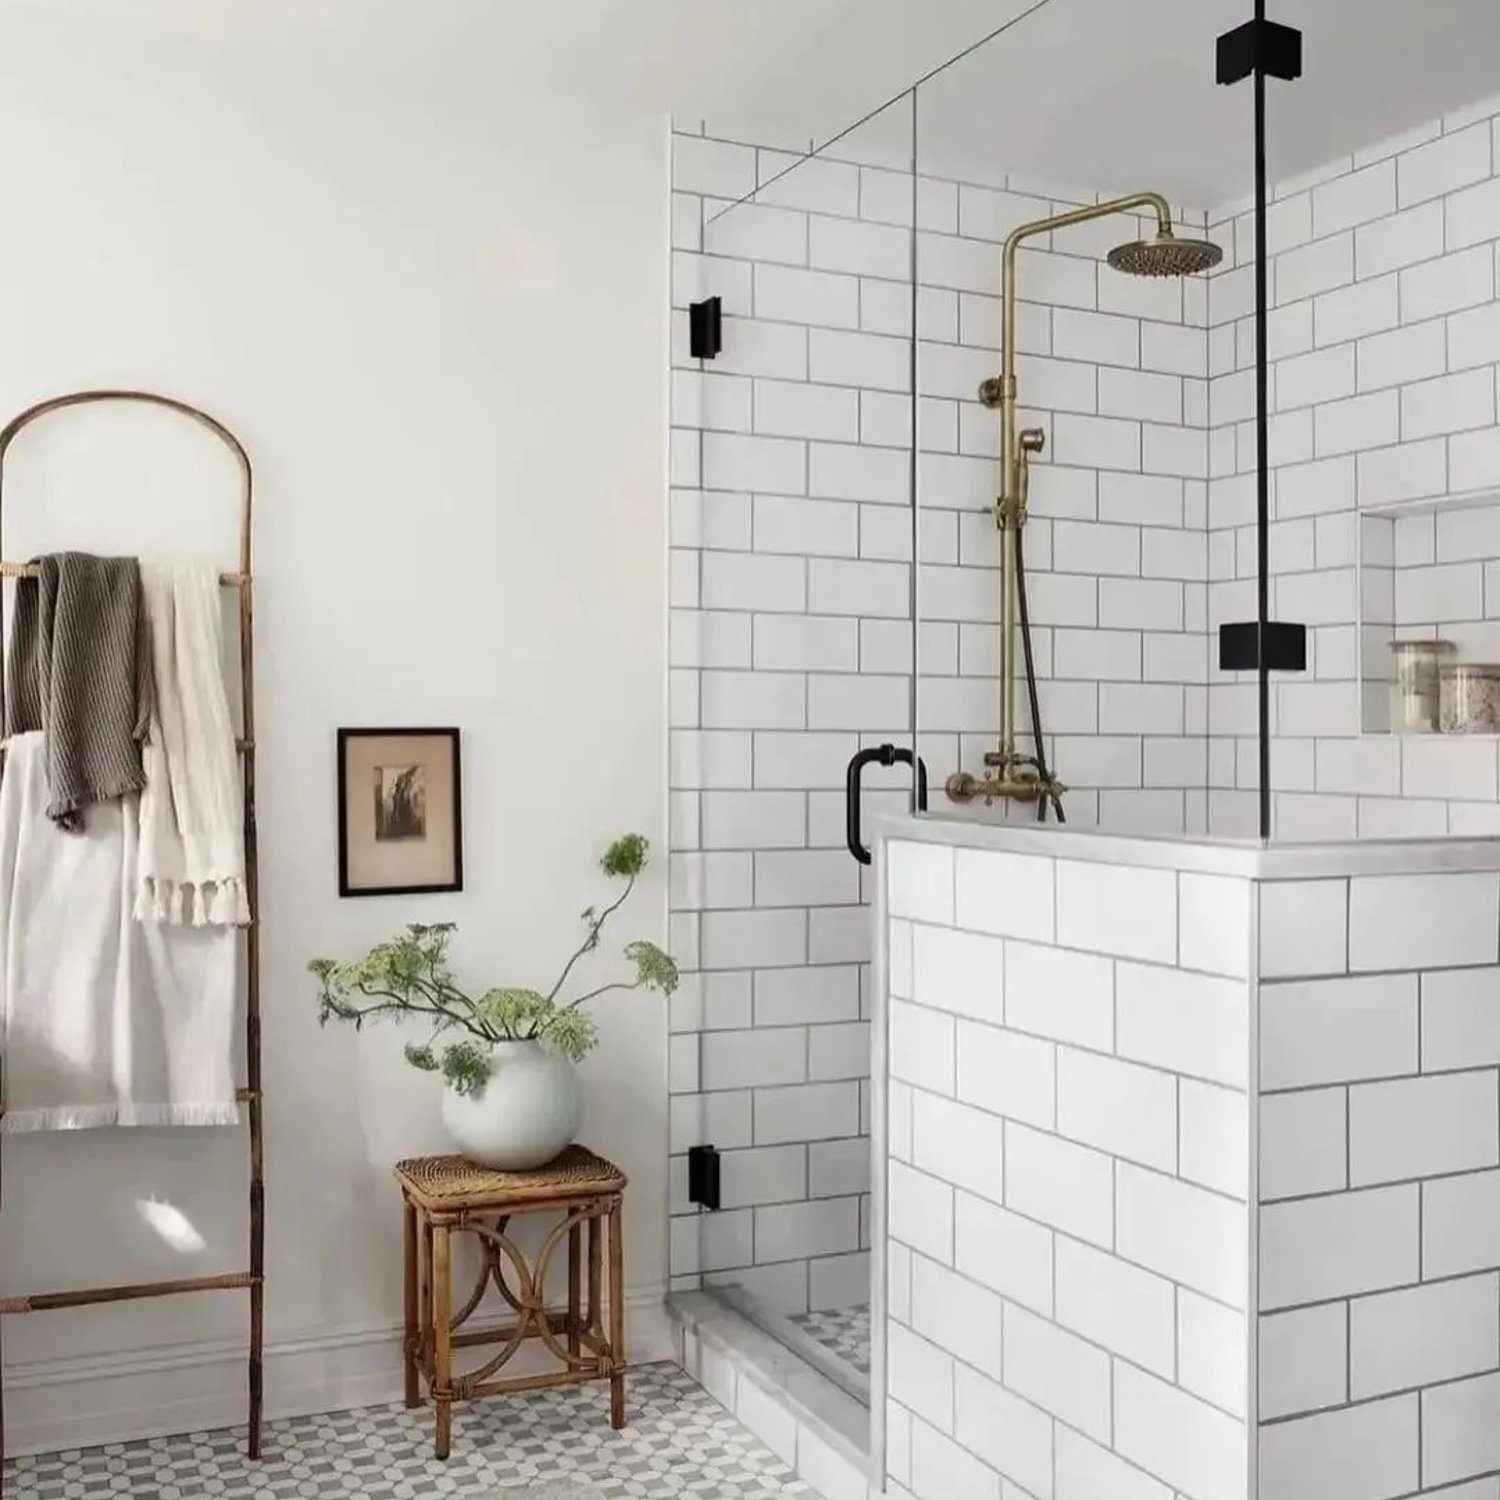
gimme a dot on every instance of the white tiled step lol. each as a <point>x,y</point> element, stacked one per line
<point>801,1415</point>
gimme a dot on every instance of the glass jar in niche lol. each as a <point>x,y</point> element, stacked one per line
<point>1416,692</point>
<point>1470,697</point>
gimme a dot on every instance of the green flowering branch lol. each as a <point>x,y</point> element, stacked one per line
<point>409,975</point>
<point>465,1066</point>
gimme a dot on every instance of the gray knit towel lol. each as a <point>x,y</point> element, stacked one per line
<point>79,669</point>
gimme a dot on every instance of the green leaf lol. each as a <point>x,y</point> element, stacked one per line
<point>572,1033</point>
<point>654,969</point>
<point>513,1013</point>
<point>409,975</point>
<point>467,1069</point>
<point>626,856</point>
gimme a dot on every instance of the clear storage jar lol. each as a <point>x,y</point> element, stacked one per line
<point>1416,694</point>
<point>1470,697</point>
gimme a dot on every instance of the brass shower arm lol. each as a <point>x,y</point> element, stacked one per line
<point>1088,211</point>
<point>1007,392</point>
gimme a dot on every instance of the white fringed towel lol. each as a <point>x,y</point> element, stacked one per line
<point>192,838</point>
<point>103,1020</point>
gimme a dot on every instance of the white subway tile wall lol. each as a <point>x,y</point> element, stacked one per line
<point>1379,1194</point>
<point>1072,1197</point>
<point>1069,1178</point>
<point>795,572</point>
<point>1385,343</point>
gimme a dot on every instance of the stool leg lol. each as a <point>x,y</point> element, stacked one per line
<point>575,1277</point>
<point>424,1295</point>
<point>413,1326</point>
<point>616,1320</point>
<point>595,1311</point>
<point>442,1360</point>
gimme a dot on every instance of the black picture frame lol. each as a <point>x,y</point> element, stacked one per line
<point>350,737</point>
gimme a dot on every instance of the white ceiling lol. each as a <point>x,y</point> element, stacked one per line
<point>1098,93</point>
<point>1105,93</point>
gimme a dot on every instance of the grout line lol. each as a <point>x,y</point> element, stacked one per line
<point>1348,1352</point>
<point>1349,1156</point>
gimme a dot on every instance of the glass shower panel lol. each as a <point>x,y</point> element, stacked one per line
<point>1385,512</point>
<point>1112,436</point>
<point>792,652</point>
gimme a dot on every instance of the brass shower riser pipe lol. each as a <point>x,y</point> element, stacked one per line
<point>1010,507</point>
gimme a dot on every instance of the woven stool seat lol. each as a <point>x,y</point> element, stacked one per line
<point>453,1182</point>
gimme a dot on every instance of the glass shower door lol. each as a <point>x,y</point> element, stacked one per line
<point>791,655</point>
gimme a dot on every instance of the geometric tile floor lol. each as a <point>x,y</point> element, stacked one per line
<point>843,1331</point>
<point>679,1443</point>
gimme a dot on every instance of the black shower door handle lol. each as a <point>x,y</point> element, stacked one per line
<point>885,755</point>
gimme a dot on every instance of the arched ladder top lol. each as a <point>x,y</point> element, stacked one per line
<point>23,419</point>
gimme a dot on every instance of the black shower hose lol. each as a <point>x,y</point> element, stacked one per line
<point>1036,708</point>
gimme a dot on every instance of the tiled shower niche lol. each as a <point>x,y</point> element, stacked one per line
<point>1428,569</point>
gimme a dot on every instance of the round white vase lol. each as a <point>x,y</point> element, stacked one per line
<point>528,1111</point>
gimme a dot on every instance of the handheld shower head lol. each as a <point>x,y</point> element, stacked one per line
<point>1166,255</point>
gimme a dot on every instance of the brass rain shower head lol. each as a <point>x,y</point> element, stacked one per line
<point>1166,255</point>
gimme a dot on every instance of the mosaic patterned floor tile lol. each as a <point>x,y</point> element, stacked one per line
<point>680,1445</point>
<point>843,1331</point>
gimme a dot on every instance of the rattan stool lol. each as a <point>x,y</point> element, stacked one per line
<point>447,1194</point>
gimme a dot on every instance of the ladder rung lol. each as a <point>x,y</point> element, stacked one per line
<point>46,1301</point>
<point>30,570</point>
<point>241,1096</point>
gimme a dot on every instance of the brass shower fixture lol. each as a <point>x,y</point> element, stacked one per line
<point>1008,773</point>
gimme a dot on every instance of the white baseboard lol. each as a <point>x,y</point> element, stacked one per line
<point>75,1403</point>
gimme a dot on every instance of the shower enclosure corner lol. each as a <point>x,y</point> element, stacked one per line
<point>946,512</point>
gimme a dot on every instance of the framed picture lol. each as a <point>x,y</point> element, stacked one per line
<point>400,812</point>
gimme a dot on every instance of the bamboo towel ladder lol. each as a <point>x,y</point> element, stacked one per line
<point>253,1279</point>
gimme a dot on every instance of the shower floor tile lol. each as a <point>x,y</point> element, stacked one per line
<point>843,1331</point>
<point>680,1442</point>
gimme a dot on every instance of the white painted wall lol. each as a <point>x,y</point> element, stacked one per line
<point>438,322</point>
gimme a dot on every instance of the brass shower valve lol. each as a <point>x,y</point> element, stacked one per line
<point>1014,786</point>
